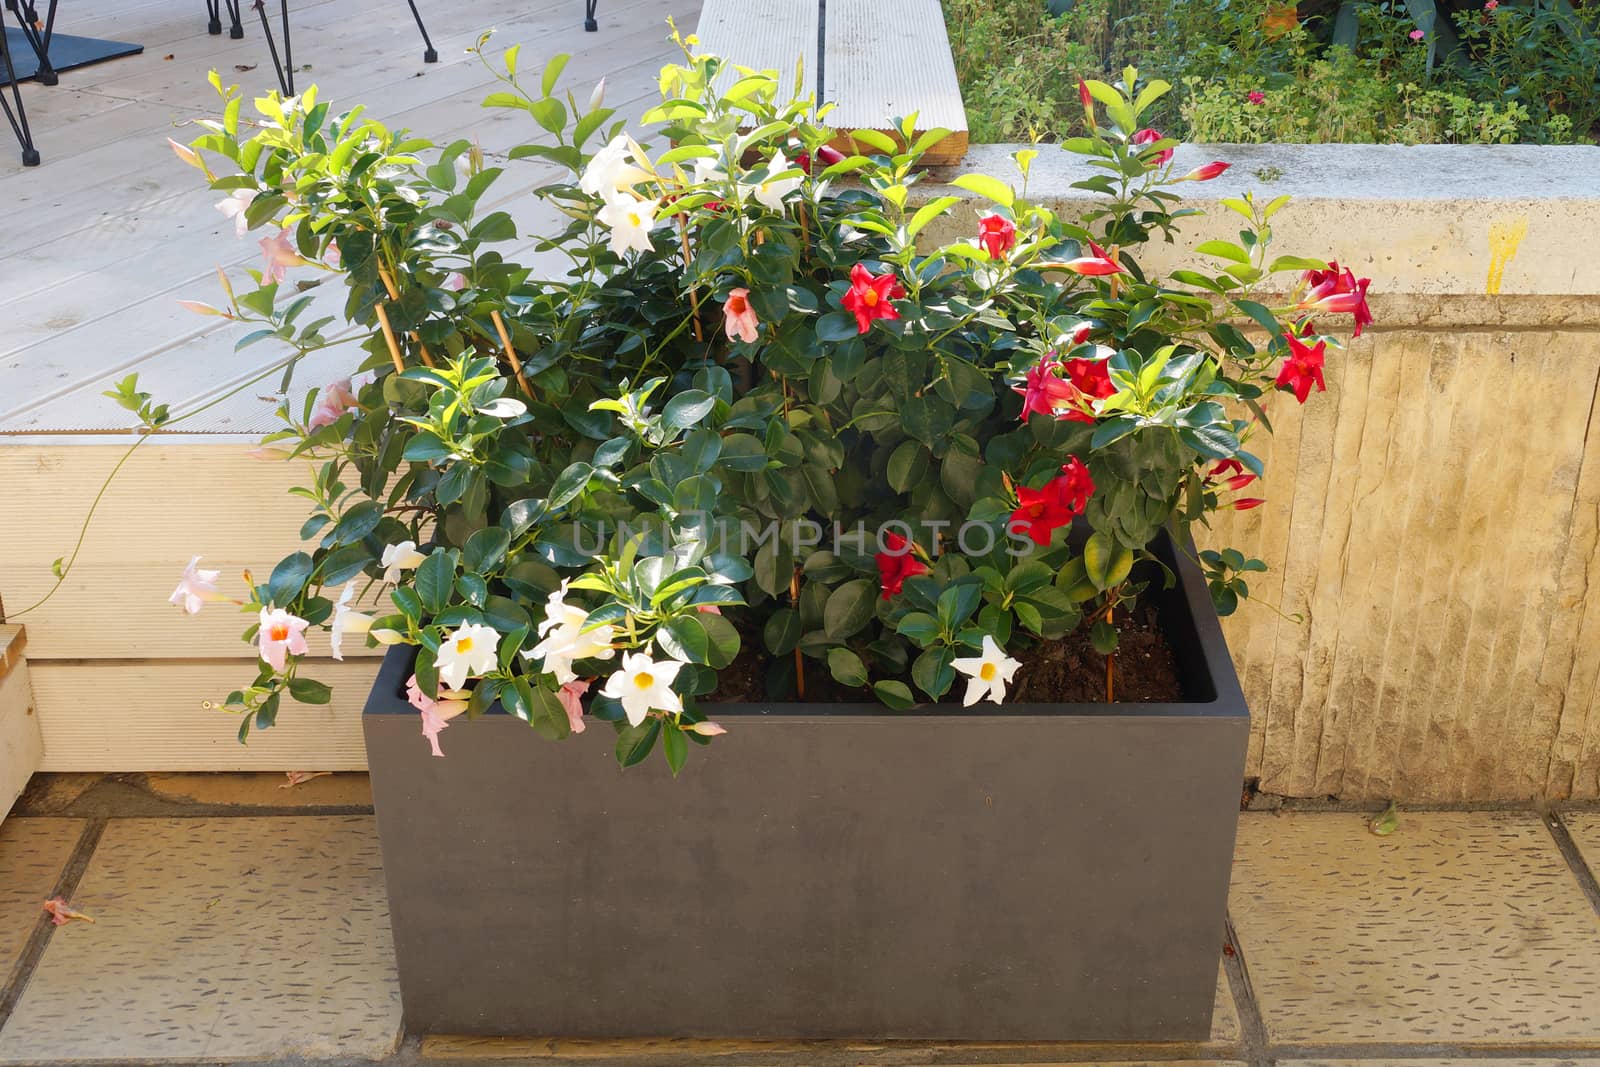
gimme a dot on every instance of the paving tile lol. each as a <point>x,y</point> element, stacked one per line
<point>229,938</point>
<point>264,790</point>
<point>1584,826</point>
<point>1460,926</point>
<point>33,853</point>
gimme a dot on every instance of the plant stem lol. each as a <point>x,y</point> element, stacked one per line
<point>799,657</point>
<point>694,297</point>
<point>1111,657</point>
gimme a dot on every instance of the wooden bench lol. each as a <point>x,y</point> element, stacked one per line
<point>872,73</point>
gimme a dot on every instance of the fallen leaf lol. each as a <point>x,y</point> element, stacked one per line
<point>60,914</point>
<point>168,56</point>
<point>1388,822</point>
<point>296,777</point>
<point>242,67</point>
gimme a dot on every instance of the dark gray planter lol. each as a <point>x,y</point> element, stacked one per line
<point>1026,872</point>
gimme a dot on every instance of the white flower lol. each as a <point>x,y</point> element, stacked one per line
<point>468,652</point>
<point>195,588</point>
<point>630,221</point>
<point>346,621</point>
<point>706,171</point>
<point>644,684</point>
<point>566,639</point>
<point>235,206</point>
<point>771,192</point>
<point>400,557</point>
<point>989,673</point>
<point>612,169</point>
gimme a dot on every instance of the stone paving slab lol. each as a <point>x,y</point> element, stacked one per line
<point>33,853</point>
<point>1459,927</point>
<point>218,939</point>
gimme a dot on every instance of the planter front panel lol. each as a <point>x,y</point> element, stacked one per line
<point>886,876</point>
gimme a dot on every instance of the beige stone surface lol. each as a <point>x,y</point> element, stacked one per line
<point>33,853</point>
<point>1584,827</point>
<point>1458,927</point>
<point>230,938</point>
<point>262,789</point>
<point>1587,1061</point>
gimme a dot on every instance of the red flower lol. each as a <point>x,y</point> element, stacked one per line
<point>1247,503</point>
<point>1087,99</point>
<point>1047,392</point>
<point>1303,368</point>
<point>1240,477</point>
<point>1257,96</point>
<point>1339,292</point>
<point>869,296</point>
<point>1151,136</point>
<point>1092,376</point>
<point>1100,263</point>
<point>1041,512</point>
<point>996,234</point>
<point>825,155</point>
<point>1079,334</point>
<point>1205,173</point>
<point>897,564</point>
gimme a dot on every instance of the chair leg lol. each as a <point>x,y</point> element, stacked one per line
<point>16,117</point>
<point>214,17</point>
<point>429,54</point>
<point>38,33</point>
<point>589,23</point>
<point>235,20</point>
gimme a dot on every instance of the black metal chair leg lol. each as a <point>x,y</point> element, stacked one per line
<point>283,68</point>
<point>429,55</point>
<point>589,22</point>
<point>38,34</point>
<point>214,17</point>
<point>17,118</point>
<point>236,20</point>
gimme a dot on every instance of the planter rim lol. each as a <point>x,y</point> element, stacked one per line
<point>1225,699</point>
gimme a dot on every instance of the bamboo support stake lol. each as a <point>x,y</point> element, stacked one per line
<point>388,336</point>
<point>394,296</point>
<point>511,353</point>
<point>1111,657</point>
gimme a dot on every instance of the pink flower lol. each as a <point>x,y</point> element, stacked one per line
<point>1417,35</point>
<point>1096,265</point>
<point>709,729</point>
<point>61,914</point>
<point>195,588</point>
<point>1205,173</point>
<point>1046,392</point>
<point>1490,5</point>
<point>436,714</point>
<point>338,398</point>
<point>1149,135</point>
<point>332,256</point>
<point>280,633</point>
<point>456,282</point>
<point>740,322</point>
<point>235,206</point>
<point>280,254</point>
<point>1257,97</point>
<point>570,697</point>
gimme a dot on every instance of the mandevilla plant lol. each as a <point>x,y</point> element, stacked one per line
<point>748,416</point>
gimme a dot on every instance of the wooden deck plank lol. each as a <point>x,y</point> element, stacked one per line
<point>873,78</point>
<point>783,35</point>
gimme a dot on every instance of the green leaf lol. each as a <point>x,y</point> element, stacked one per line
<point>676,748</point>
<point>688,409</point>
<point>309,691</point>
<point>545,713</point>
<point>933,672</point>
<point>1386,823</point>
<point>485,550</point>
<point>634,742</point>
<point>358,522</point>
<point>435,578</point>
<point>1106,562</point>
<point>918,626</point>
<point>552,71</point>
<point>985,186</point>
<point>782,631</point>
<point>846,667</point>
<point>569,484</point>
<point>1103,636</point>
<point>908,465</point>
<point>722,641</point>
<point>895,694</point>
<point>837,326</point>
<point>928,212</point>
<point>1223,250</point>
<point>849,608</point>
<point>682,637</point>
<point>288,579</point>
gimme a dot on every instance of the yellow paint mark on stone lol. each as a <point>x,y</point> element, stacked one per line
<point>1504,237</point>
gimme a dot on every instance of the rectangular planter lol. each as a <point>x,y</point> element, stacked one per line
<point>1017,872</point>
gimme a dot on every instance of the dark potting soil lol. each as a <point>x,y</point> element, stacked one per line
<point>1064,671</point>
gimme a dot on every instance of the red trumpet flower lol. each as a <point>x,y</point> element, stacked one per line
<point>870,295</point>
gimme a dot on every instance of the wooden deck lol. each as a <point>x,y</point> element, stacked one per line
<point>98,245</point>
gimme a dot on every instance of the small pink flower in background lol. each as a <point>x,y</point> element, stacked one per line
<point>297,777</point>
<point>281,633</point>
<point>1257,96</point>
<point>266,452</point>
<point>235,206</point>
<point>338,398</point>
<point>1149,135</point>
<point>1490,5</point>
<point>1417,35</point>
<point>740,323</point>
<point>456,281</point>
<point>1205,173</point>
<point>200,307</point>
<point>61,914</point>
<point>571,699</point>
<point>332,256</point>
<point>280,254</point>
<point>195,588</point>
<point>187,154</point>
<point>709,609</point>
<point>709,729</point>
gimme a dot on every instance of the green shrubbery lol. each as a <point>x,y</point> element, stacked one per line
<point>1481,71</point>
